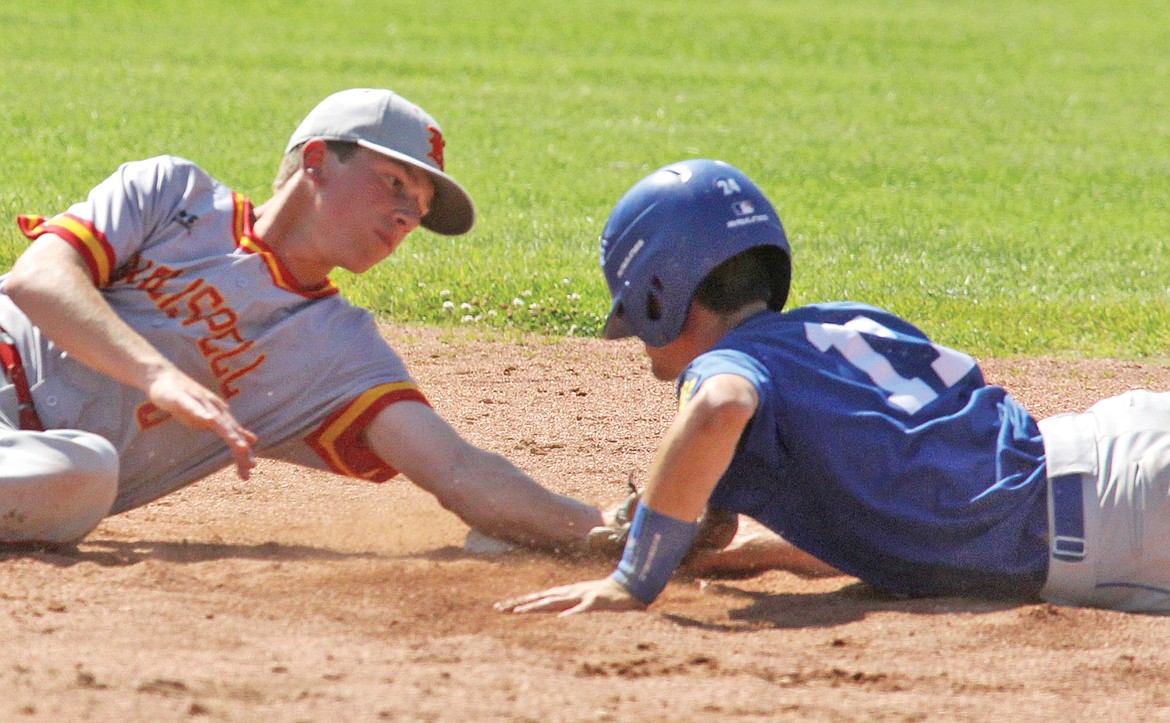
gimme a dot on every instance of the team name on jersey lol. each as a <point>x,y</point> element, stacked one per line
<point>229,355</point>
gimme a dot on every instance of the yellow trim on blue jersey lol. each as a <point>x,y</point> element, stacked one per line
<point>686,391</point>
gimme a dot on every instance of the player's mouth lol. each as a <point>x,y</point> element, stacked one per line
<point>389,239</point>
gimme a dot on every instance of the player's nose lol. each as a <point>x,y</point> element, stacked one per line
<point>406,217</point>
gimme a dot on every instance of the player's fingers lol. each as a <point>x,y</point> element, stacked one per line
<point>514,605</point>
<point>245,462</point>
<point>214,415</point>
<point>210,414</point>
<point>547,605</point>
<point>511,603</point>
<point>601,600</point>
<point>200,408</point>
<point>582,606</point>
<point>547,601</point>
<point>241,442</point>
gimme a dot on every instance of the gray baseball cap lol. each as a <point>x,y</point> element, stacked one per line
<point>387,123</point>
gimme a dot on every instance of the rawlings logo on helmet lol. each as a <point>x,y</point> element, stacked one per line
<point>737,222</point>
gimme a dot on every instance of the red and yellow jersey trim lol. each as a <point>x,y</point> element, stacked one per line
<point>339,441</point>
<point>82,235</point>
<point>247,240</point>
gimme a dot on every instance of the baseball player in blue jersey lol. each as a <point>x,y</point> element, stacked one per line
<point>846,432</point>
<point>165,328</point>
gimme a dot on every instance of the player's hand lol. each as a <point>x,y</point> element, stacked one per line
<point>604,594</point>
<point>198,407</point>
<point>609,539</point>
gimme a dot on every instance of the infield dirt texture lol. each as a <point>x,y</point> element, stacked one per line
<point>300,596</point>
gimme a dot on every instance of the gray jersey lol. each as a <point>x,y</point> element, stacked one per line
<point>173,252</point>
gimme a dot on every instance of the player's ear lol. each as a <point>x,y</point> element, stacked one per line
<point>703,327</point>
<point>313,155</point>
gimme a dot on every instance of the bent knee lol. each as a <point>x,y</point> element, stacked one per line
<point>55,486</point>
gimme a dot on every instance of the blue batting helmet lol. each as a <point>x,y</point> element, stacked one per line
<point>669,231</point>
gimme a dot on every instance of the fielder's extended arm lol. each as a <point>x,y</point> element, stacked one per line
<point>485,490</point>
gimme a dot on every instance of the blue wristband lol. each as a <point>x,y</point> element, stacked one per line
<point>656,546</point>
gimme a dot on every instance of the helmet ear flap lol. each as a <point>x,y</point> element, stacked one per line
<point>780,266</point>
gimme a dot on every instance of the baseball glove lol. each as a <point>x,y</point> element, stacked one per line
<point>717,527</point>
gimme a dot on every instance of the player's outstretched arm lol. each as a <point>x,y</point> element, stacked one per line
<point>694,454</point>
<point>483,488</point>
<point>51,284</point>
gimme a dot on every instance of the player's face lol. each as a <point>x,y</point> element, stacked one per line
<point>377,202</point>
<point>701,330</point>
<point>667,362</point>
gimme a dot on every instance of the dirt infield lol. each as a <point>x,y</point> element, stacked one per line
<point>299,596</point>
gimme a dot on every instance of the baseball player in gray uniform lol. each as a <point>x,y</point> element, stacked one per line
<point>165,328</point>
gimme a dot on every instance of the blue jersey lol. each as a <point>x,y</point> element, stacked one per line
<point>882,454</point>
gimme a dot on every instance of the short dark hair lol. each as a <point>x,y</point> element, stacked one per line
<point>291,163</point>
<point>758,274</point>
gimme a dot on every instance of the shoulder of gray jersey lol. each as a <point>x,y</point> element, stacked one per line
<point>160,174</point>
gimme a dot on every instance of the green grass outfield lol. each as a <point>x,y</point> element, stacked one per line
<point>996,171</point>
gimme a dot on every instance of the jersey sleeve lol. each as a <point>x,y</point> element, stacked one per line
<point>352,374</point>
<point>121,214</point>
<point>723,361</point>
<point>339,443</point>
